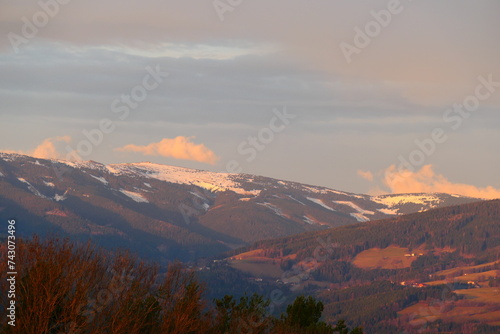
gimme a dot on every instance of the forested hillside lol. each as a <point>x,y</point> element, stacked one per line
<point>416,272</point>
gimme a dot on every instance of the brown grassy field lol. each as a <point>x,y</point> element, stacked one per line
<point>481,278</point>
<point>455,271</point>
<point>456,311</point>
<point>392,257</point>
<point>484,295</point>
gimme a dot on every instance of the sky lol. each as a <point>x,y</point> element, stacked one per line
<point>361,96</point>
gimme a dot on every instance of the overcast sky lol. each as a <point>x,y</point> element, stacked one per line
<point>331,93</point>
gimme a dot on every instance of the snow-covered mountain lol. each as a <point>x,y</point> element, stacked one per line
<point>166,211</point>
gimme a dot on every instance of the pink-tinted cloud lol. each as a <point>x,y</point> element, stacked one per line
<point>47,149</point>
<point>427,181</point>
<point>177,148</point>
<point>366,175</point>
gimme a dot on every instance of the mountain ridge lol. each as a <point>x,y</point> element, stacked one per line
<point>172,211</point>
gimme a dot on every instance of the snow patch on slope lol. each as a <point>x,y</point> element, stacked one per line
<point>205,205</point>
<point>83,164</point>
<point>273,208</point>
<point>355,207</point>
<point>320,202</point>
<point>296,200</point>
<point>198,195</point>
<point>139,198</point>
<point>60,198</point>
<point>389,211</point>
<point>308,220</point>
<point>32,189</point>
<point>359,217</point>
<point>322,190</point>
<point>392,200</point>
<point>211,181</point>
<point>209,186</point>
<point>99,178</point>
<point>360,214</point>
<point>10,156</point>
<point>315,190</point>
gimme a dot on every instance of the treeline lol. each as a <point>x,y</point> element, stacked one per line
<point>64,288</point>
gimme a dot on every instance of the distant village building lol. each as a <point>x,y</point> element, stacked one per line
<point>413,284</point>
<point>473,284</point>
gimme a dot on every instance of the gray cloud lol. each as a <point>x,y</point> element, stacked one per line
<point>226,77</point>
